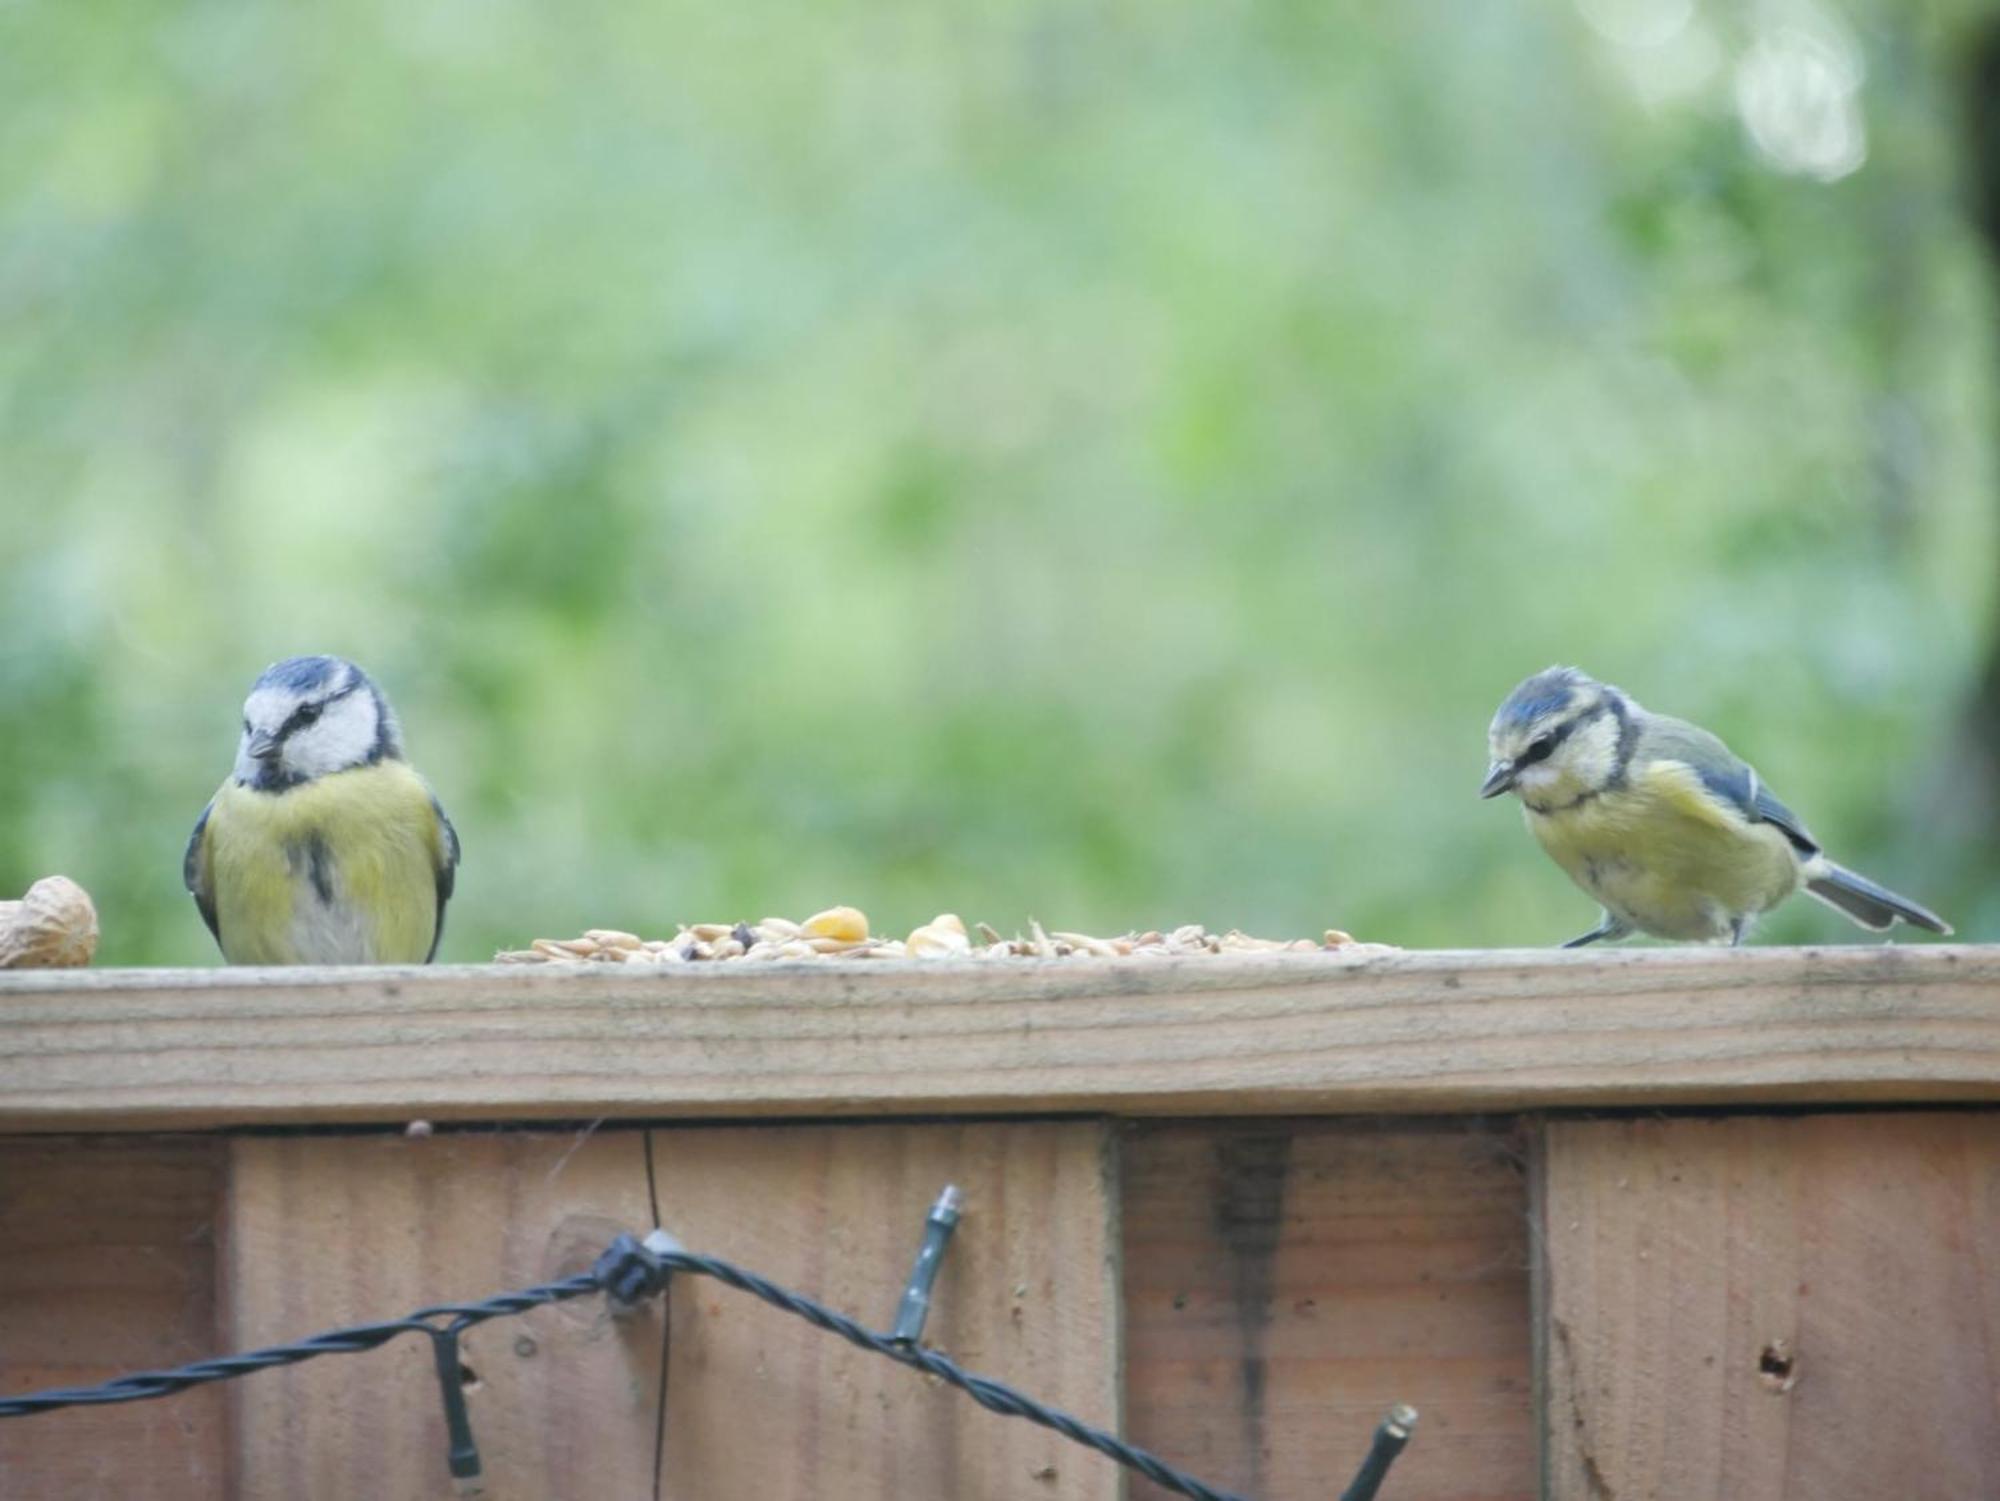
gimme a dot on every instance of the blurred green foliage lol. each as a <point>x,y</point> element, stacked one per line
<point>1096,461</point>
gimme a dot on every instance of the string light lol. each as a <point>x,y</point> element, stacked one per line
<point>631,1272</point>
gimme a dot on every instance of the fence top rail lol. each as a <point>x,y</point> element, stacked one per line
<point>1430,1032</point>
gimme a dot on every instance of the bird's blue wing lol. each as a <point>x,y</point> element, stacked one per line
<point>194,874</point>
<point>1728,778</point>
<point>1744,790</point>
<point>1769,810</point>
<point>447,872</point>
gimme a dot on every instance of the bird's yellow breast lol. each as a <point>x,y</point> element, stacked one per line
<point>339,870</point>
<point>1664,855</point>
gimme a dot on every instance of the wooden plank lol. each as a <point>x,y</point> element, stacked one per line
<point>1426,1033</point>
<point>1286,1283</point>
<point>333,1230</point>
<point>325,1231</point>
<point>762,1405</point>
<point>1760,1308</point>
<point>107,1266</point>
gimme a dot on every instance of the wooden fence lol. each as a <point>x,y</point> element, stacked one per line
<point>1650,1224</point>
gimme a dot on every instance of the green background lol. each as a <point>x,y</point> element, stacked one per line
<point>1093,461</point>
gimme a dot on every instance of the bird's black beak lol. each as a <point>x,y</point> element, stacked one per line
<point>1499,779</point>
<point>262,746</point>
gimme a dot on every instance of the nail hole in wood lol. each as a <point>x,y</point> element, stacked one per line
<point>1777,1367</point>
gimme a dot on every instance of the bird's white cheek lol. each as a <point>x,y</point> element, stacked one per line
<point>306,755</point>
<point>1536,778</point>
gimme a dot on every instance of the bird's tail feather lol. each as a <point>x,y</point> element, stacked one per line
<point>1868,904</point>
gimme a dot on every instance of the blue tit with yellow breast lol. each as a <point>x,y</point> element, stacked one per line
<point>1659,821</point>
<point>324,846</point>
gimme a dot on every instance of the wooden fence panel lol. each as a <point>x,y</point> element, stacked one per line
<point>107,1266</point>
<point>1751,1308</point>
<point>325,1230</point>
<point>331,1230</point>
<point>1287,1282</point>
<point>1771,1309</point>
<point>762,1406</point>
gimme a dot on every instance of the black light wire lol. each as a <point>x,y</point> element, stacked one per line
<point>142,1385</point>
<point>628,1272</point>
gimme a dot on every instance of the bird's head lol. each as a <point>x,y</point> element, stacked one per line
<point>1556,739</point>
<point>308,717</point>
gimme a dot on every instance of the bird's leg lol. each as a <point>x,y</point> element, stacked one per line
<point>1738,926</point>
<point>1610,927</point>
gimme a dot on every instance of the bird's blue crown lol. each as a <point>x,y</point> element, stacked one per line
<point>306,675</point>
<point>1545,693</point>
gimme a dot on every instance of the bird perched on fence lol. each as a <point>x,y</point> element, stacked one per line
<point>1659,821</point>
<point>323,846</point>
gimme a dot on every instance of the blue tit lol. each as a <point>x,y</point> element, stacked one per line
<point>323,846</point>
<point>1659,821</point>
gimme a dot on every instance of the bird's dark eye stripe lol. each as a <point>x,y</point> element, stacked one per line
<point>1543,745</point>
<point>305,714</point>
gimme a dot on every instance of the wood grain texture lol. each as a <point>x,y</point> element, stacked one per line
<point>764,1406</point>
<point>1425,1033</point>
<point>1760,1308</point>
<point>1286,1283</point>
<point>325,1231</point>
<point>107,1266</point>
<point>333,1230</point>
